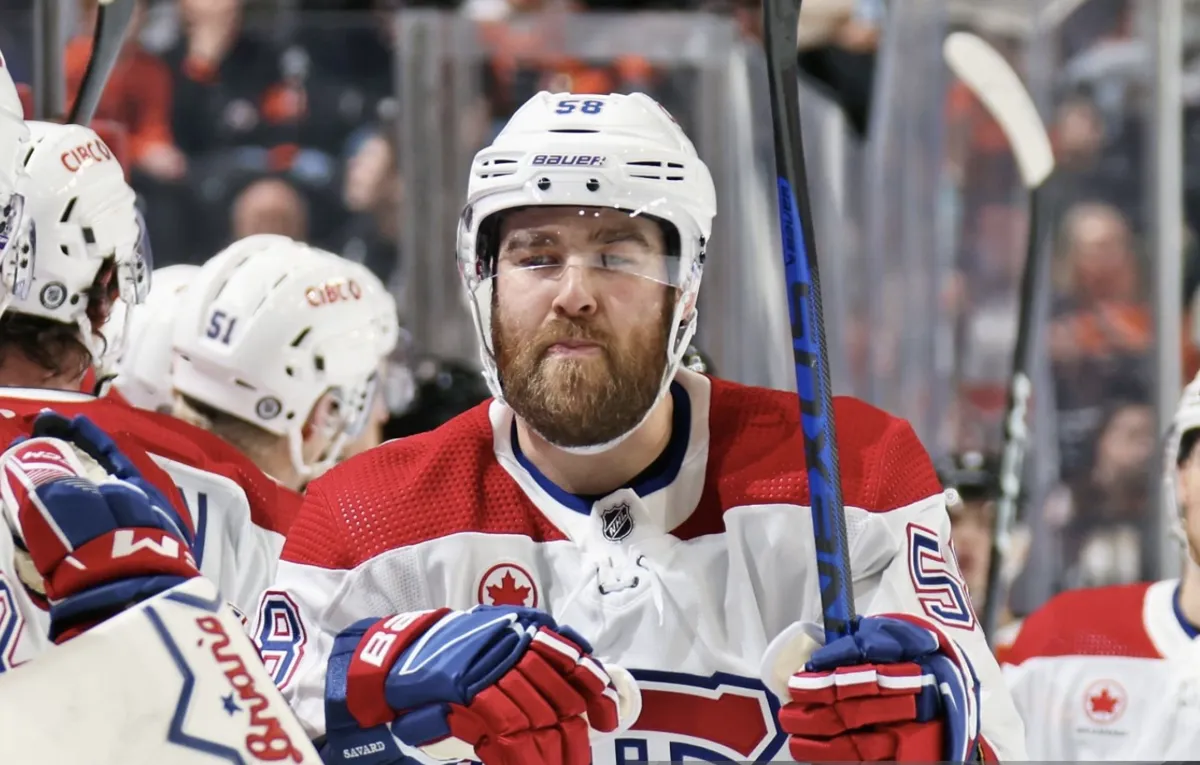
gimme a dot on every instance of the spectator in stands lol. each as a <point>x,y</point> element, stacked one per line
<point>270,206</point>
<point>227,80</point>
<point>372,193</point>
<point>1090,165</point>
<point>982,297</point>
<point>1095,521</point>
<point>138,96</point>
<point>252,104</point>
<point>348,51</point>
<point>526,41</point>
<point>1100,332</point>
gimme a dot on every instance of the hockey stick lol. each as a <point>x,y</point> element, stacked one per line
<point>780,18</point>
<point>997,86</point>
<point>112,22</point>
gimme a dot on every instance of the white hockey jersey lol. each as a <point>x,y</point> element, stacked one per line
<point>1111,673</point>
<point>683,577</point>
<point>239,515</point>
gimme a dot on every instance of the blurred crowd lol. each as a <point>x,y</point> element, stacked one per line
<point>238,117</point>
<point>1097,524</point>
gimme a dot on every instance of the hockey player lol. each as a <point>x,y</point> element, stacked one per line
<point>14,136</point>
<point>143,370</point>
<point>81,254</point>
<point>1113,673</point>
<point>972,485</point>
<point>278,348</point>
<point>424,593</point>
<point>153,665</point>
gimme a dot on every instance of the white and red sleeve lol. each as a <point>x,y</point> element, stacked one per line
<point>320,590</point>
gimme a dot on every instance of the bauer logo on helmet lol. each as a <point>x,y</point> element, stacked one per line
<point>569,160</point>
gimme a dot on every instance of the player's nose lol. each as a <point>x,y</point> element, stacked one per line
<point>575,296</point>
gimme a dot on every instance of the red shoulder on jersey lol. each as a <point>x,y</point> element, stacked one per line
<point>272,506</point>
<point>756,456</point>
<point>407,491</point>
<point>20,413</point>
<point>1101,621</point>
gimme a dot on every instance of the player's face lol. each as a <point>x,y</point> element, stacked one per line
<point>1188,491</point>
<point>971,532</point>
<point>581,314</point>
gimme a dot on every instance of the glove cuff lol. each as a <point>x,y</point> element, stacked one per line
<point>74,615</point>
<point>115,556</point>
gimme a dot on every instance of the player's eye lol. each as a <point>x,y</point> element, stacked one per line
<point>538,260</point>
<point>616,262</point>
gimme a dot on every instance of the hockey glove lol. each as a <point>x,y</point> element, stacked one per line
<point>497,684</point>
<point>896,689</point>
<point>101,536</point>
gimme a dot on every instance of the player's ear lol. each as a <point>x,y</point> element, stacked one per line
<point>1186,475</point>
<point>324,419</point>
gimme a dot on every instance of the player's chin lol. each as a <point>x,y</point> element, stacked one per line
<point>569,370</point>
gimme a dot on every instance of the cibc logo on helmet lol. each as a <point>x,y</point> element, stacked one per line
<point>333,291</point>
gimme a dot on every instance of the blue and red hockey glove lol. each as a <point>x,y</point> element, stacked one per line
<point>497,684</point>
<point>101,536</point>
<point>896,689</point>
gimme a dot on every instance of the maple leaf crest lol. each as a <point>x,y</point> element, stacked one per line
<point>507,593</point>
<point>1103,703</point>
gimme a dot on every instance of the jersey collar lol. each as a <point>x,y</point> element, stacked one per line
<point>659,474</point>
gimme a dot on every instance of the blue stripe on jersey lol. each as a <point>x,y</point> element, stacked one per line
<point>659,474</point>
<point>1190,629</point>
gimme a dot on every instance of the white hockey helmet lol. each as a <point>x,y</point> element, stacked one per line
<point>1186,420</point>
<point>624,152</point>
<point>143,370</point>
<point>14,142</point>
<point>85,246</point>
<point>269,325</point>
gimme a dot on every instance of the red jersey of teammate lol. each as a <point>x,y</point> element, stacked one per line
<point>239,514</point>
<point>1111,673</point>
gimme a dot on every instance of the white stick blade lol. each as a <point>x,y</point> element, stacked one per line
<point>994,83</point>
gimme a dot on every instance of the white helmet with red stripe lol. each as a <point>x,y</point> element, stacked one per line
<point>623,152</point>
<point>270,325</point>
<point>14,142</point>
<point>85,246</point>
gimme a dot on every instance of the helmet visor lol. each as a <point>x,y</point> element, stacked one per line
<point>535,245</point>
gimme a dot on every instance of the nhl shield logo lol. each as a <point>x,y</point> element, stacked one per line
<point>616,522</point>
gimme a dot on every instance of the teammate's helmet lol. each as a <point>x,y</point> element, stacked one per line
<point>143,370</point>
<point>1180,441</point>
<point>970,476</point>
<point>14,140</point>
<point>85,246</point>
<point>616,151</point>
<point>269,325</point>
